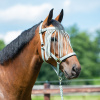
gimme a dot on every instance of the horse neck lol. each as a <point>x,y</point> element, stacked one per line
<point>30,60</point>
<point>22,71</point>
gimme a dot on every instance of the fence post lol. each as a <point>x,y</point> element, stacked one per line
<point>46,86</point>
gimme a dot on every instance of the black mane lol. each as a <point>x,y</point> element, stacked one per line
<point>15,47</point>
<point>12,49</point>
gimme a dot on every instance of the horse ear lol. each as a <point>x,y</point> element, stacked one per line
<point>60,16</point>
<point>49,18</point>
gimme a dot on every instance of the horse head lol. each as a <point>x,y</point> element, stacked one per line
<point>56,48</point>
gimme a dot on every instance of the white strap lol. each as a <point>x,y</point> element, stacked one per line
<point>49,28</point>
<point>42,53</point>
<point>64,57</point>
<point>54,69</point>
<point>41,40</point>
<point>40,32</point>
<point>40,28</point>
<point>67,56</point>
<point>58,65</point>
<point>54,57</point>
<point>42,44</point>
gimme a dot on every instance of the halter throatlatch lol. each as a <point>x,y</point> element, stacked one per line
<point>45,48</point>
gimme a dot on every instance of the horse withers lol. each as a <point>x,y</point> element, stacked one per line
<point>21,60</point>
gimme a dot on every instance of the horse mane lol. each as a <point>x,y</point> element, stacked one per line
<point>15,47</point>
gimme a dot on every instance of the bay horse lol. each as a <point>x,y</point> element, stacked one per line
<point>21,60</point>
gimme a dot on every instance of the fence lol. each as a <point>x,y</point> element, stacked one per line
<point>71,81</point>
<point>79,89</point>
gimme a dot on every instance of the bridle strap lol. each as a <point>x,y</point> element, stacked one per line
<point>42,44</point>
<point>64,57</point>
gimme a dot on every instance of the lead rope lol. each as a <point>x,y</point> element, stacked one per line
<point>60,79</point>
<point>61,89</point>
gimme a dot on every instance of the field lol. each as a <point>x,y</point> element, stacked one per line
<point>84,97</point>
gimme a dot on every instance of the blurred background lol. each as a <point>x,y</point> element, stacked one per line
<point>81,20</point>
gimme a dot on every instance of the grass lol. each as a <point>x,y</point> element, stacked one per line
<point>37,98</point>
<point>84,97</point>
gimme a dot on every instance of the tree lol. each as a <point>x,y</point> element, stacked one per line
<point>85,50</point>
<point>47,73</point>
<point>73,31</point>
<point>97,44</point>
<point>2,44</point>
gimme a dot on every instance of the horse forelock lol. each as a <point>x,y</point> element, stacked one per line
<point>57,24</point>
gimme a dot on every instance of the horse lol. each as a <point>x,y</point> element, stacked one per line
<point>21,60</point>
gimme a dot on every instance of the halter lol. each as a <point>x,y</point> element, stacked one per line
<point>45,49</point>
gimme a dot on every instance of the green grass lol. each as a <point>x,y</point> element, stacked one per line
<point>84,97</point>
<point>37,98</point>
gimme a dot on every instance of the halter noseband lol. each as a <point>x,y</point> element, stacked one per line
<point>58,60</point>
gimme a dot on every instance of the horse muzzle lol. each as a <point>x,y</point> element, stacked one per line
<point>72,72</point>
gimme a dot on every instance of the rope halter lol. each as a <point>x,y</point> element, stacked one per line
<point>45,48</point>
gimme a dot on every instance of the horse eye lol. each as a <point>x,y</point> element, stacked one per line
<point>52,39</point>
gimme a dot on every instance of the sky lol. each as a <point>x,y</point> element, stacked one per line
<point>19,15</point>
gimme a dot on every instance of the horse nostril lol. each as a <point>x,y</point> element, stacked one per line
<point>74,68</point>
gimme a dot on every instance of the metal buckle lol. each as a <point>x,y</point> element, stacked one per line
<point>58,60</point>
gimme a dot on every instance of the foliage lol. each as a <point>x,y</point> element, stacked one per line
<point>2,44</point>
<point>97,45</point>
<point>86,53</point>
<point>46,73</point>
